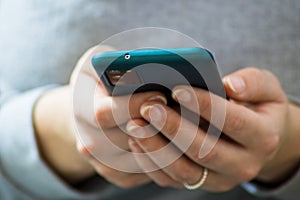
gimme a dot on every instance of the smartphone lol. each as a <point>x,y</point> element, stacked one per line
<point>142,70</point>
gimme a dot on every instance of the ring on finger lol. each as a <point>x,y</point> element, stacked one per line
<point>200,183</point>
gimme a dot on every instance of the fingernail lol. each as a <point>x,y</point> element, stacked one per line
<point>159,98</point>
<point>131,127</point>
<point>153,112</point>
<point>135,130</point>
<point>144,110</point>
<point>236,84</point>
<point>134,146</point>
<point>181,95</point>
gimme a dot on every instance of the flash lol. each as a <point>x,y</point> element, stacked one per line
<point>123,77</point>
<point>127,56</point>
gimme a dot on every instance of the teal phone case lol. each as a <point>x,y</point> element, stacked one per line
<point>159,69</point>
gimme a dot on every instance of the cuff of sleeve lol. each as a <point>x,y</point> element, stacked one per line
<point>288,190</point>
<point>19,155</point>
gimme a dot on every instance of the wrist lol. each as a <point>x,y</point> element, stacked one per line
<point>56,140</point>
<point>286,161</point>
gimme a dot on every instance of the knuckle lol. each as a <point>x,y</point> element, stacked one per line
<point>254,71</point>
<point>172,126</point>
<point>268,73</point>
<point>103,118</point>
<point>135,102</point>
<point>148,144</point>
<point>183,171</point>
<point>210,157</point>
<point>270,77</point>
<point>205,104</point>
<point>247,173</point>
<point>185,174</point>
<point>275,131</point>
<point>235,122</point>
<point>270,143</point>
<point>144,142</point>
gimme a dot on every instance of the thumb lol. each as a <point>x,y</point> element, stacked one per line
<point>253,85</point>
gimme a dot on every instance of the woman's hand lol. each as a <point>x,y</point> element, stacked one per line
<point>72,158</point>
<point>261,134</point>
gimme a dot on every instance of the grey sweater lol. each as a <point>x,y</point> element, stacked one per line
<point>41,41</point>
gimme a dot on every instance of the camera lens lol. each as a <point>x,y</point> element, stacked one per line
<point>127,56</point>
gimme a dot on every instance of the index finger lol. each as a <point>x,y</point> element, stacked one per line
<point>112,111</point>
<point>240,122</point>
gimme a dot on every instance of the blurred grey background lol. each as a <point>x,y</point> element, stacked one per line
<point>40,41</point>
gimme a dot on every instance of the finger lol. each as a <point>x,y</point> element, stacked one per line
<point>237,126</point>
<point>240,122</point>
<point>145,163</point>
<point>121,179</point>
<point>95,142</point>
<point>220,159</point>
<point>117,137</point>
<point>112,111</point>
<point>182,170</point>
<point>253,85</point>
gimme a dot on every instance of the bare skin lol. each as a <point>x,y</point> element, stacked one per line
<point>271,156</point>
<point>261,123</point>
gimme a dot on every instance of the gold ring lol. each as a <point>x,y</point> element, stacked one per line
<point>200,183</point>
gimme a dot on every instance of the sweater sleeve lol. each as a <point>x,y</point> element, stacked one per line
<point>20,162</point>
<point>288,190</point>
